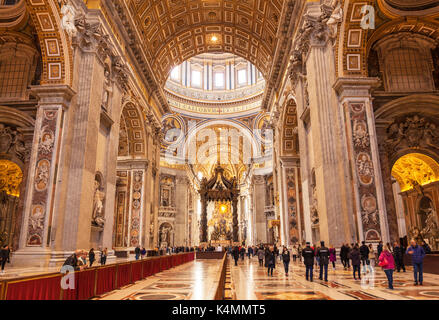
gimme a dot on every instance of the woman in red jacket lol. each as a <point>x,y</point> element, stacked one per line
<point>388,264</point>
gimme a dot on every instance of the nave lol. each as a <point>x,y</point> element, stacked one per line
<point>196,281</point>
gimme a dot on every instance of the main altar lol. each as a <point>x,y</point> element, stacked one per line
<point>224,220</point>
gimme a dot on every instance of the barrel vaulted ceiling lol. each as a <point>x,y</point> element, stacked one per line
<point>174,30</point>
<point>165,33</point>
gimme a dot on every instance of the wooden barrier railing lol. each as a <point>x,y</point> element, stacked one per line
<point>219,295</point>
<point>89,282</point>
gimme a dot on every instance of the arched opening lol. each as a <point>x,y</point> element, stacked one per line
<point>416,196</point>
<point>11,177</point>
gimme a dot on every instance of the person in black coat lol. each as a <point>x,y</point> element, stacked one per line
<point>323,254</point>
<point>91,257</point>
<point>355,257</point>
<point>380,249</point>
<point>4,256</point>
<point>286,259</point>
<point>308,259</point>
<point>73,260</point>
<point>364,254</point>
<point>398,256</point>
<point>270,261</point>
<point>343,256</point>
<point>235,254</point>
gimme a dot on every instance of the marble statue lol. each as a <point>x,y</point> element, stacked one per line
<point>98,218</point>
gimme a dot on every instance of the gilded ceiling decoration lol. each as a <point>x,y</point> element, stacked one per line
<point>10,178</point>
<point>173,31</point>
<point>415,169</point>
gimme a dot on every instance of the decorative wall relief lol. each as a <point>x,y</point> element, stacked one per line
<point>42,176</point>
<point>12,143</point>
<point>292,194</point>
<point>365,172</point>
<point>136,205</point>
<point>412,132</point>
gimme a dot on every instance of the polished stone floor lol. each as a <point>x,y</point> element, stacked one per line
<point>196,281</point>
<point>250,282</point>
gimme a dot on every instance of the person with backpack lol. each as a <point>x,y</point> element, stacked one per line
<point>323,255</point>
<point>354,255</point>
<point>308,259</point>
<point>387,262</point>
<point>286,259</point>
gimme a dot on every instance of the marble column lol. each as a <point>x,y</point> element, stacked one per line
<point>44,174</point>
<point>260,225</point>
<point>362,146</point>
<point>332,200</point>
<point>181,217</point>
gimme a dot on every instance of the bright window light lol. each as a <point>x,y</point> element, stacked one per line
<point>196,78</point>
<point>219,79</point>
<point>175,73</point>
<point>242,76</point>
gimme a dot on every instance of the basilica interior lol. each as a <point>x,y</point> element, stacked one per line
<point>189,123</point>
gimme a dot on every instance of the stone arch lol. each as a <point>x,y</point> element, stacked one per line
<point>56,48</point>
<point>132,138</point>
<point>355,42</point>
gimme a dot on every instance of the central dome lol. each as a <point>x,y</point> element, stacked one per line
<point>215,85</point>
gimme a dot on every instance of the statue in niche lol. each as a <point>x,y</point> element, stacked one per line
<point>335,18</point>
<point>98,218</point>
<point>165,235</point>
<point>314,208</point>
<point>107,89</point>
<point>431,231</point>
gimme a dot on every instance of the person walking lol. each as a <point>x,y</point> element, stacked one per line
<point>372,258</point>
<point>91,257</point>
<point>332,256</point>
<point>323,255</point>
<point>286,260</point>
<point>270,261</point>
<point>235,254</point>
<point>104,254</point>
<point>344,256</point>
<point>308,259</point>
<point>4,256</point>
<point>364,255</point>
<point>317,258</point>
<point>295,253</point>
<point>348,252</point>
<point>137,252</point>
<point>379,248</point>
<point>418,254</point>
<point>261,255</point>
<point>242,252</point>
<point>388,264</point>
<point>398,256</point>
<point>355,257</point>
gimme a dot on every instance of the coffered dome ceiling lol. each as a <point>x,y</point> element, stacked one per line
<point>173,31</point>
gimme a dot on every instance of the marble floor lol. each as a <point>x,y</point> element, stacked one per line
<point>196,280</point>
<point>250,282</point>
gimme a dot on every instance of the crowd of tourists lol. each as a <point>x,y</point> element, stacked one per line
<point>361,257</point>
<point>81,259</point>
